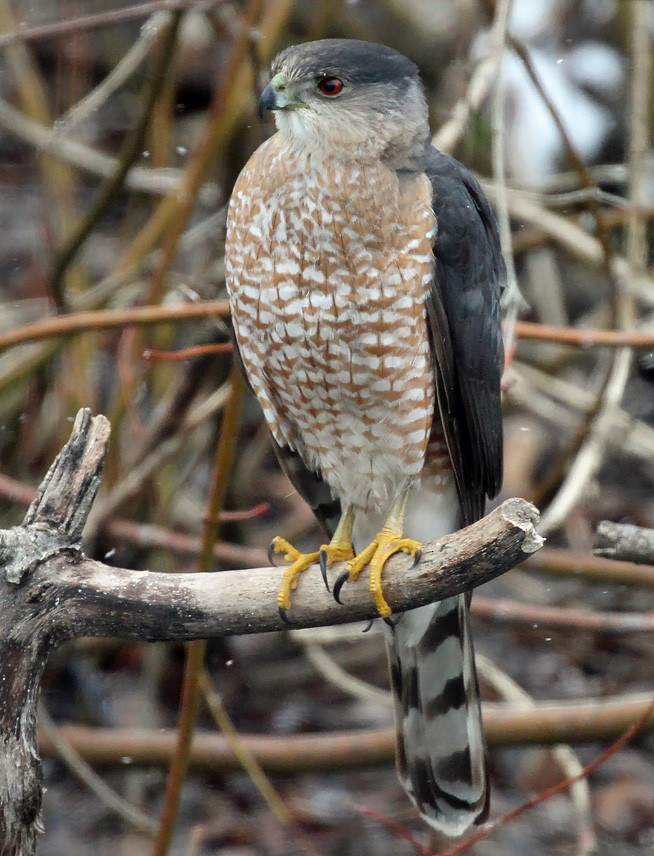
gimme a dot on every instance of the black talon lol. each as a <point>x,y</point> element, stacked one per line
<point>284,617</point>
<point>392,621</point>
<point>338,585</point>
<point>272,554</point>
<point>416,559</point>
<point>322,558</point>
<point>368,625</point>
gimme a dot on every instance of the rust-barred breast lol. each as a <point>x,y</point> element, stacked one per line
<point>329,263</point>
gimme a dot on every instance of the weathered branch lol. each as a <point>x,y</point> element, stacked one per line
<point>624,541</point>
<point>50,592</point>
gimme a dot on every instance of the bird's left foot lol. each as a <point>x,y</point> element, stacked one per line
<point>376,554</point>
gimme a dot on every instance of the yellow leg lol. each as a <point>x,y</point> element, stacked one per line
<point>339,549</point>
<point>388,542</point>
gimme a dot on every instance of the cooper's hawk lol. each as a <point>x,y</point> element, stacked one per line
<point>364,273</point>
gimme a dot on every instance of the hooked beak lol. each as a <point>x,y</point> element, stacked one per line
<point>268,101</point>
<point>276,96</point>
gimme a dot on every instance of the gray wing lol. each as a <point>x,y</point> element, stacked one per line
<point>464,319</point>
<point>308,483</point>
<point>441,756</point>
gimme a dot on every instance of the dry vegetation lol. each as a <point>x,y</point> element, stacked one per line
<point>121,133</point>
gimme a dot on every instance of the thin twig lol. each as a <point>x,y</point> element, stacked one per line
<point>641,54</point>
<point>592,452</point>
<point>205,152</point>
<point>147,535</point>
<point>485,74</point>
<point>107,319</point>
<point>505,611</point>
<point>101,19</point>
<point>50,141</point>
<point>568,762</point>
<point>132,148</point>
<point>58,179</point>
<point>133,480</point>
<point>552,560</point>
<point>21,366</point>
<point>87,776</point>
<point>118,75</point>
<point>195,650</point>
<point>583,337</point>
<point>586,450</point>
<point>593,448</point>
<point>539,798</point>
<point>575,240</point>
<point>247,760</point>
<point>337,675</point>
<point>225,111</point>
<point>512,299</point>
<point>631,435</point>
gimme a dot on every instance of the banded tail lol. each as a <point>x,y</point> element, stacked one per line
<point>441,756</point>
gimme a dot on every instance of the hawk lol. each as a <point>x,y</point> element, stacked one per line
<point>364,273</point>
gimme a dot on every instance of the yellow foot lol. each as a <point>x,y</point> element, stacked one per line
<point>336,551</point>
<point>376,554</point>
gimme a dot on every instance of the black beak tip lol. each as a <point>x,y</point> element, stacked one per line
<point>267,101</point>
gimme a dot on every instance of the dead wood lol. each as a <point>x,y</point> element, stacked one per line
<point>51,592</point>
<point>624,541</point>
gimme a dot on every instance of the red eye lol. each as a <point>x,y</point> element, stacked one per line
<point>330,85</point>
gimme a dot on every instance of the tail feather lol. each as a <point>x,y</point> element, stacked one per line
<point>441,756</point>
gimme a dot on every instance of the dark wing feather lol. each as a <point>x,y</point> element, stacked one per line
<point>311,487</point>
<point>308,483</point>
<point>464,319</point>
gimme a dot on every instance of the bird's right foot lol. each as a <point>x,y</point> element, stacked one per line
<point>335,551</point>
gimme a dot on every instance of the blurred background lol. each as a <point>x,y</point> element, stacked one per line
<point>122,129</point>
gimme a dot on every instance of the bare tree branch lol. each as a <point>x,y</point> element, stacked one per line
<point>50,592</point>
<point>624,541</point>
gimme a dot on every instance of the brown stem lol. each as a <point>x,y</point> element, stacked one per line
<point>507,611</point>
<point>553,560</point>
<point>106,319</point>
<point>195,651</point>
<point>584,338</point>
<point>548,723</point>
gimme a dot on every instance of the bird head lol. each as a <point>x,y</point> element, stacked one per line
<point>352,97</point>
